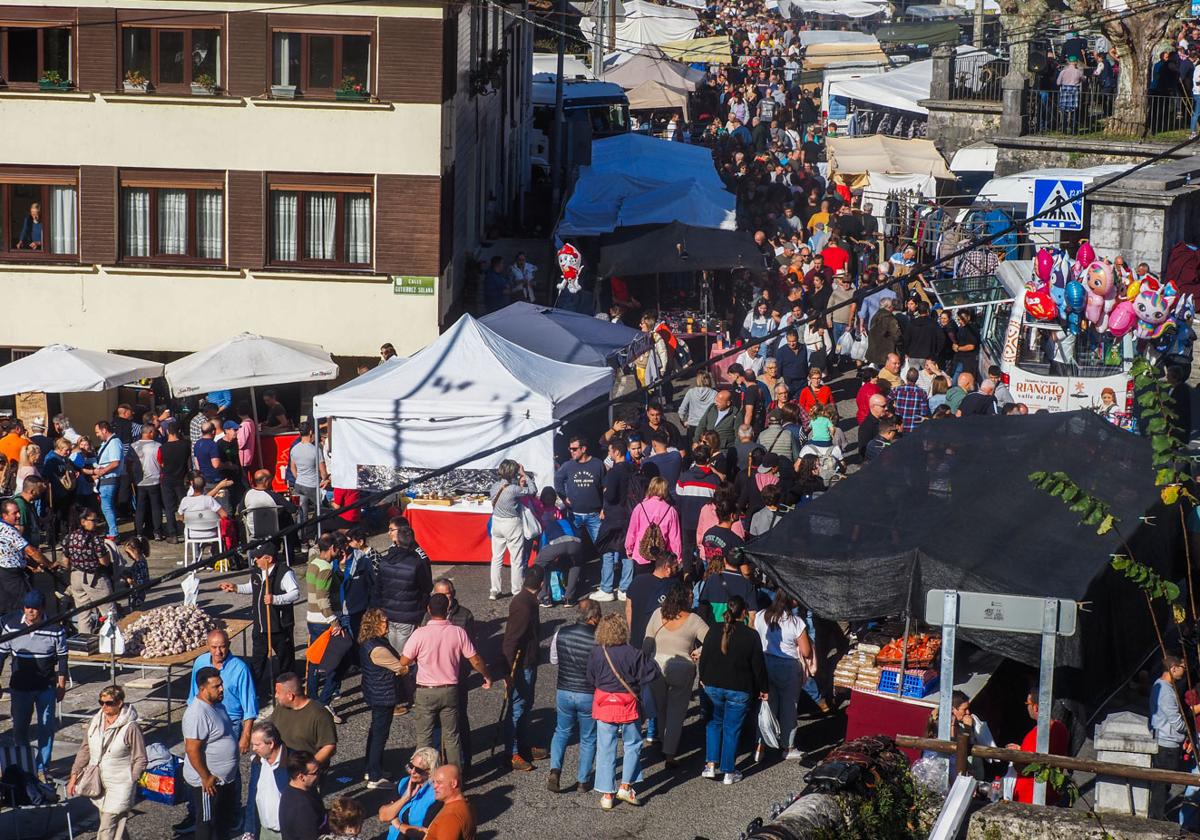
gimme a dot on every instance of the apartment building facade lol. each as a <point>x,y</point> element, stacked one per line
<point>318,172</point>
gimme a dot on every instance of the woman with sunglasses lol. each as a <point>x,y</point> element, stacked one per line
<point>114,744</point>
<point>410,815</point>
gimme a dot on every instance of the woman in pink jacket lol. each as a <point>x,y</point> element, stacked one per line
<point>655,508</point>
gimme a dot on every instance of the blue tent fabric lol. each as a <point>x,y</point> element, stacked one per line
<point>562,334</point>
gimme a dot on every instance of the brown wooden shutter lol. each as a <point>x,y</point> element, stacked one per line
<point>248,71</point>
<point>98,214</point>
<point>450,55</point>
<point>96,37</point>
<point>410,60</point>
<point>407,225</point>
<point>247,219</point>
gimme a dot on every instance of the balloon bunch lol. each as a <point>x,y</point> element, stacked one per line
<point>1088,292</point>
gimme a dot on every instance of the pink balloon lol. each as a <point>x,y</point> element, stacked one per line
<point>1086,254</point>
<point>1122,319</point>
<point>1045,264</point>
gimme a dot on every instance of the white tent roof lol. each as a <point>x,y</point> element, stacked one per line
<point>652,64</point>
<point>832,8</point>
<point>978,157</point>
<point>887,155</point>
<point>467,391</point>
<point>648,23</point>
<point>547,63</point>
<point>249,360</point>
<point>61,369</point>
<point>833,36</point>
<point>904,87</point>
<point>1018,188</point>
<point>653,94</point>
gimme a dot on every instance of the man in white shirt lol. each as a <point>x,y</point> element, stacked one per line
<point>257,496</point>
<point>268,778</point>
<point>197,499</point>
<point>520,286</point>
<point>274,594</point>
<point>750,359</point>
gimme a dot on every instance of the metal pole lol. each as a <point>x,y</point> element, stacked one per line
<point>600,18</point>
<point>949,628</point>
<point>254,412</point>
<point>320,490</point>
<point>556,150</point>
<point>1046,688</point>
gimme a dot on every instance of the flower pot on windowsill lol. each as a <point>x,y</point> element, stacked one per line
<point>352,96</point>
<point>43,84</point>
<point>283,91</point>
<point>144,87</point>
<point>203,90</point>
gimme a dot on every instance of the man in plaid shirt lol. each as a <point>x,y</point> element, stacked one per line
<point>910,402</point>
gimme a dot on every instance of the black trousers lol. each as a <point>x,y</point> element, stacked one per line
<point>285,655</point>
<point>1168,758</point>
<point>377,736</point>
<point>216,816</point>
<point>172,495</point>
<point>149,511</point>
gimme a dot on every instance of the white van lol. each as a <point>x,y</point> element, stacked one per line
<point>1042,365</point>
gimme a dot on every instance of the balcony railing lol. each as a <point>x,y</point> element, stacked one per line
<point>1081,111</point>
<point>978,77</point>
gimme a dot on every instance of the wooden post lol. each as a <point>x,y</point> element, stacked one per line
<point>962,751</point>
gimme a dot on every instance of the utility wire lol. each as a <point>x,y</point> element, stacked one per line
<point>584,411</point>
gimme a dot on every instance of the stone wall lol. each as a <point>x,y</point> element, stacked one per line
<point>1013,821</point>
<point>1144,216</point>
<point>957,123</point>
<point>1019,154</point>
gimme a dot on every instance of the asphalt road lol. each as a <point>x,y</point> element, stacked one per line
<point>675,805</point>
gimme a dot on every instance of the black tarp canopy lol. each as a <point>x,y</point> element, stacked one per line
<point>951,507</point>
<point>919,32</point>
<point>662,249</point>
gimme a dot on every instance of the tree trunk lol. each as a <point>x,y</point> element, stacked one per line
<point>1136,34</point>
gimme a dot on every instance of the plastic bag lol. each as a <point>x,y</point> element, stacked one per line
<point>932,772</point>
<point>1010,783</point>
<point>858,350</point>
<point>768,726</point>
<point>191,589</point>
<point>845,344</point>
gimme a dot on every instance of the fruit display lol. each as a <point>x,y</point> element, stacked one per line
<point>923,650</point>
<point>168,631</point>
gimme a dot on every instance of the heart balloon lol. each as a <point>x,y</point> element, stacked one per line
<point>1045,264</point>
<point>1122,319</point>
<point>1040,305</point>
<point>1086,253</point>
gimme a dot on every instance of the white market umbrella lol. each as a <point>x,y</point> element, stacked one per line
<point>248,361</point>
<point>62,369</point>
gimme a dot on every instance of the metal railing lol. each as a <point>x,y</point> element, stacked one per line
<point>978,77</point>
<point>1079,110</point>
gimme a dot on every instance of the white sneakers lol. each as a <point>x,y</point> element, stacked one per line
<point>601,595</point>
<point>733,778</point>
<point>794,755</point>
<point>626,794</point>
<point>621,596</point>
<point>709,771</point>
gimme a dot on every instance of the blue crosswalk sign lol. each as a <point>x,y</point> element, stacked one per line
<point>1048,192</point>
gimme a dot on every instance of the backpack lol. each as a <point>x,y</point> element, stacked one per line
<point>652,542</point>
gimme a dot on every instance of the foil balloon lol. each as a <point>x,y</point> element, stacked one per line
<point>1076,297</point>
<point>1040,305</point>
<point>1086,255</point>
<point>1101,292</point>
<point>1122,319</point>
<point>1044,264</point>
<point>570,263</point>
<point>1153,306</point>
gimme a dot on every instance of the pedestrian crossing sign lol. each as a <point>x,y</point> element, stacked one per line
<point>1049,195</point>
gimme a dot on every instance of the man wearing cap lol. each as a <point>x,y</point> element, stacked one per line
<point>275,592</point>
<point>39,673</point>
<point>39,437</point>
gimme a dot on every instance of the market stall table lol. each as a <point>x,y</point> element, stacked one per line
<point>171,665</point>
<point>452,533</point>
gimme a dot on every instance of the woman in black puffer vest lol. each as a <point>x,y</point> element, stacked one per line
<point>381,666</point>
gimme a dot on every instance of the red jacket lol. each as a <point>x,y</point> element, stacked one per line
<point>863,400</point>
<point>1058,746</point>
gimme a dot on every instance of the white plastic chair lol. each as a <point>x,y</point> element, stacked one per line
<point>200,528</point>
<point>263,523</point>
<point>12,822</point>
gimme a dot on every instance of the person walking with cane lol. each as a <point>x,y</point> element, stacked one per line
<point>274,592</point>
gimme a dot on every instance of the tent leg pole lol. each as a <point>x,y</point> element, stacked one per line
<point>317,440</point>
<point>254,412</point>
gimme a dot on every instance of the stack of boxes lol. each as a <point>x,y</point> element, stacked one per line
<point>857,668</point>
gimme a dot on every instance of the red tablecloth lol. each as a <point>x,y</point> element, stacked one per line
<point>720,369</point>
<point>876,714</point>
<point>450,536</point>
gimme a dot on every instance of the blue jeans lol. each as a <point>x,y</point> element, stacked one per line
<point>315,674</point>
<point>608,566</point>
<point>23,703</point>
<point>607,735</point>
<point>516,724</point>
<point>1195,111</point>
<point>590,521</point>
<point>574,708</point>
<point>724,727</point>
<point>108,506</point>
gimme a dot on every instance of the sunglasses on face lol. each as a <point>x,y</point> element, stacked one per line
<point>108,703</point>
<point>412,768</point>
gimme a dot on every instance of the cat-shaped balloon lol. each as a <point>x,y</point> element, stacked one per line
<point>1153,306</point>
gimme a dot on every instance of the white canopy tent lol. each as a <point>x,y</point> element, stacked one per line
<point>652,64</point>
<point>62,369</point>
<point>249,360</point>
<point>831,8</point>
<point>834,36</point>
<point>467,391</point>
<point>647,23</point>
